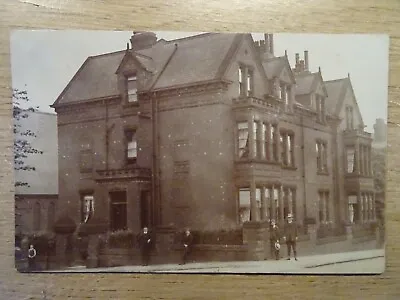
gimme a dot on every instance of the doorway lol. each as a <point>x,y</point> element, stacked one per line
<point>118,210</point>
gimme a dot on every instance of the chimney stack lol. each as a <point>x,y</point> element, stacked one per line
<point>306,60</point>
<point>297,59</point>
<point>266,38</point>
<point>271,43</point>
<point>301,65</point>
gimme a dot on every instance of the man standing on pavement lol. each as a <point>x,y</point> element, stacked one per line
<point>145,241</point>
<point>274,238</point>
<point>291,236</point>
<point>31,258</point>
<point>187,245</point>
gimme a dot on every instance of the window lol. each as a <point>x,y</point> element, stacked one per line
<point>322,156</point>
<point>350,159</point>
<point>264,134</point>
<point>282,139</point>
<point>257,142</point>
<point>85,155</point>
<point>87,206</point>
<point>249,83</point>
<point>244,204</point>
<point>241,84</point>
<point>118,211</point>
<point>291,149</point>
<point>131,146</point>
<point>274,135</point>
<point>287,148</point>
<point>132,88</point>
<point>246,81</point>
<point>324,213</point>
<point>36,216</point>
<point>349,117</point>
<point>283,93</point>
<point>243,140</point>
<point>276,200</point>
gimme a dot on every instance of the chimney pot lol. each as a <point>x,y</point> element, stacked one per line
<point>306,60</point>
<point>297,59</point>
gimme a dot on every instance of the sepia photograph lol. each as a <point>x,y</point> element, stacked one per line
<point>199,152</point>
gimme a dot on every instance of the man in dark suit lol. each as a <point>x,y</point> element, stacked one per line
<point>274,238</point>
<point>291,236</point>
<point>145,241</point>
<point>187,242</point>
<point>31,258</point>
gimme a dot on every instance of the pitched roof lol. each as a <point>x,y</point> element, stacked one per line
<point>95,79</point>
<point>335,89</point>
<point>305,83</point>
<point>196,58</point>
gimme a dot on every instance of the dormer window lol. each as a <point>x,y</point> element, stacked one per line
<point>132,88</point>
<point>246,81</point>
<point>349,117</point>
<point>249,82</point>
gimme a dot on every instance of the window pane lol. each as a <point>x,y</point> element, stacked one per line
<point>249,83</point>
<point>131,145</point>
<point>243,135</point>
<point>350,160</point>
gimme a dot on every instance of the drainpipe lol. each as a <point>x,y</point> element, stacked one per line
<point>155,182</point>
<point>107,133</point>
<point>304,168</point>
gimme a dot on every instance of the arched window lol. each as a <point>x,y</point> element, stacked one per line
<point>36,216</point>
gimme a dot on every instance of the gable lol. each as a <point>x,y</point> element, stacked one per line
<point>128,64</point>
<point>244,52</point>
<point>349,99</point>
<point>286,75</point>
<point>320,88</point>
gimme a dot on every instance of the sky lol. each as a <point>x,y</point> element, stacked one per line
<point>44,61</point>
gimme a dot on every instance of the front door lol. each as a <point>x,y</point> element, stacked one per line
<point>118,210</point>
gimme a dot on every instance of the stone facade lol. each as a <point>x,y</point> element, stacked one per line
<point>230,141</point>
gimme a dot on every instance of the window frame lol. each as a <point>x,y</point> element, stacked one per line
<point>128,79</point>
<point>131,133</point>
<point>114,204</point>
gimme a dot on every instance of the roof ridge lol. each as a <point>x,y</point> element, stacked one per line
<point>104,54</point>
<point>335,80</point>
<point>192,37</point>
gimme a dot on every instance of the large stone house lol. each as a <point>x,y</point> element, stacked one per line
<point>209,132</point>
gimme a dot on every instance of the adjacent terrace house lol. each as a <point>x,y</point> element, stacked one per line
<point>210,131</point>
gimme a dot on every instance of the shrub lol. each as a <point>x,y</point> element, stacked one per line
<point>44,242</point>
<point>220,237</point>
<point>121,239</point>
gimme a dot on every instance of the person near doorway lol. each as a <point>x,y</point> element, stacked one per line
<point>274,238</point>
<point>290,236</point>
<point>187,242</point>
<point>31,258</point>
<point>145,242</point>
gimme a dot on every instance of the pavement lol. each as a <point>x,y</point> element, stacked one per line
<point>369,262</point>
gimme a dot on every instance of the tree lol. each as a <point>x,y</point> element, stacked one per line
<point>22,136</point>
<point>379,168</point>
<point>378,160</point>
